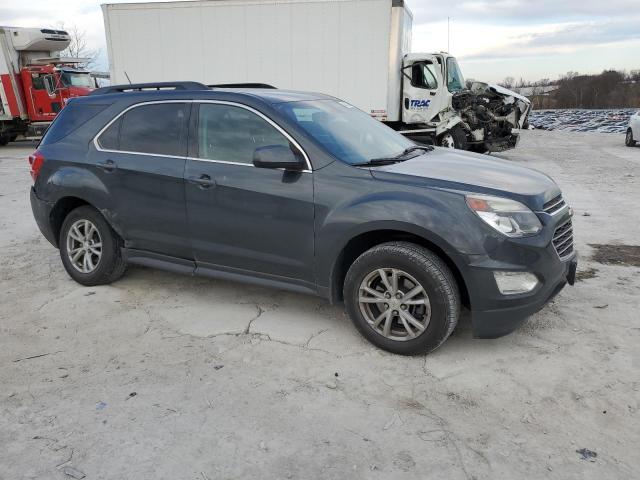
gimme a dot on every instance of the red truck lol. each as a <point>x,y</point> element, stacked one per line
<point>35,82</point>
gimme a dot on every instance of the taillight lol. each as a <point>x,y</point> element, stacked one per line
<point>36,160</point>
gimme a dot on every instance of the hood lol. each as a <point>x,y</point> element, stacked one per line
<point>472,172</point>
<point>509,96</point>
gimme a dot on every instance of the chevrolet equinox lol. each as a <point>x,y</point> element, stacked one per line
<point>305,192</point>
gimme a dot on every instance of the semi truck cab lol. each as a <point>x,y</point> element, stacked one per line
<point>35,83</point>
<point>48,87</point>
<point>437,102</point>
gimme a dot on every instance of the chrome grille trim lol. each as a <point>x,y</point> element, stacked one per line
<point>554,205</point>
<point>563,239</point>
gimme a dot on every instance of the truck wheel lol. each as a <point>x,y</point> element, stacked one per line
<point>4,139</point>
<point>454,138</point>
<point>402,298</point>
<point>89,248</point>
<point>629,141</point>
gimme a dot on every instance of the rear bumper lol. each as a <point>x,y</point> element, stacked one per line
<point>42,213</point>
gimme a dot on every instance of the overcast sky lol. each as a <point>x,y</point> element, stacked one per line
<point>531,39</point>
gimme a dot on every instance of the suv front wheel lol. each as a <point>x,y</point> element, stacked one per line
<point>89,248</point>
<point>402,298</point>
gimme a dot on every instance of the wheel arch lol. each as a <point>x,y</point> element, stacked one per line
<point>63,207</point>
<point>362,242</point>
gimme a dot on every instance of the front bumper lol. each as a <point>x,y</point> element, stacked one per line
<point>494,314</point>
<point>503,317</point>
<point>42,213</point>
<point>504,143</point>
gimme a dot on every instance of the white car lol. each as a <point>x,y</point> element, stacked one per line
<point>633,132</point>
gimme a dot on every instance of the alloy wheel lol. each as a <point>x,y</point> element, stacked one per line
<point>84,246</point>
<point>394,304</point>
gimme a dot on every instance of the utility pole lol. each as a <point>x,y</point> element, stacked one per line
<point>448,48</point>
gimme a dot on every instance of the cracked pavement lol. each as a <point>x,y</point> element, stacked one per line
<point>167,376</point>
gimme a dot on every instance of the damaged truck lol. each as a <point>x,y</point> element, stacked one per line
<point>358,50</point>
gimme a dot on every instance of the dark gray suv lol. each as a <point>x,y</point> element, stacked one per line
<point>305,192</point>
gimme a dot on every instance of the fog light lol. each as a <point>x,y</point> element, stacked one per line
<point>512,283</point>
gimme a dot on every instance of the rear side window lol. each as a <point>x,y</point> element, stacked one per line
<point>70,118</point>
<point>110,137</point>
<point>155,129</point>
<point>232,134</point>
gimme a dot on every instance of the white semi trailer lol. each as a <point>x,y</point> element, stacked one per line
<point>357,50</point>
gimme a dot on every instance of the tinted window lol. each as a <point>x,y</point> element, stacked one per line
<point>233,133</point>
<point>109,138</point>
<point>344,131</point>
<point>158,128</point>
<point>70,117</point>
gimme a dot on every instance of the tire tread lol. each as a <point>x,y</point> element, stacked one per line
<point>433,265</point>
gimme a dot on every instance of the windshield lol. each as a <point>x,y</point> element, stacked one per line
<point>455,80</point>
<point>347,133</point>
<point>73,79</point>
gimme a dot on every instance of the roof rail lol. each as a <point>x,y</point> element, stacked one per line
<point>242,85</point>
<point>139,87</point>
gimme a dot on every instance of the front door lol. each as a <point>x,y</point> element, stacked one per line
<point>421,84</point>
<point>43,103</point>
<point>140,158</point>
<point>245,219</point>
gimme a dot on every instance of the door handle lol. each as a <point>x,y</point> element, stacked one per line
<point>432,93</point>
<point>203,181</point>
<point>107,166</point>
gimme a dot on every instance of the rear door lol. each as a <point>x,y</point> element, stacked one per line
<point>243,218</point>
<point>141,159</point>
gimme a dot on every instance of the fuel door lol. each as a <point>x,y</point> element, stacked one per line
<point>421,83</point>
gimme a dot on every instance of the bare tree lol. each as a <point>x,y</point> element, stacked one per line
<point>78,47</point>
<point>508,82</point>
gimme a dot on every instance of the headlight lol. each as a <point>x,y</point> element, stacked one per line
<point>509,217</point>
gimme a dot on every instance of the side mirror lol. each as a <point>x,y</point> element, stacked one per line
<point>276,156</point>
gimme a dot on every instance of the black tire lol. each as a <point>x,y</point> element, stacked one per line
<point>628,140</point>
<point>4,139</point>
<point>110,266</point>
<point>457,135</point>
<point>433,275</point>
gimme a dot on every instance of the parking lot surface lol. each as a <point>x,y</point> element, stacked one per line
<point>174,377</point>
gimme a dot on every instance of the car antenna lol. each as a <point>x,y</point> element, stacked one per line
<point>127,75</point>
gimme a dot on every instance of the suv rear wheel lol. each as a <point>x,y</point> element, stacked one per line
<point>629,141</point>
<point>89,248</point>
<point>402,298</point>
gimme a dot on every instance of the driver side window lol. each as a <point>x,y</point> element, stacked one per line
<point>49,84</point>
<point>423,76</point>
<point>232,134</point>
<point>37,80</point>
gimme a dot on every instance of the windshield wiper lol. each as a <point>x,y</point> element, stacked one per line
<point>413,148</point>
<point>375,162</point>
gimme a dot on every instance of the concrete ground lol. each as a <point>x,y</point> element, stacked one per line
<point>162,376</point>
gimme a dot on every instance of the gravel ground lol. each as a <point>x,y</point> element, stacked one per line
<point>174,377</point>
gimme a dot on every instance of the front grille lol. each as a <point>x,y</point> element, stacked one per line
<point>563,239</point>
<point>554,205</point>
